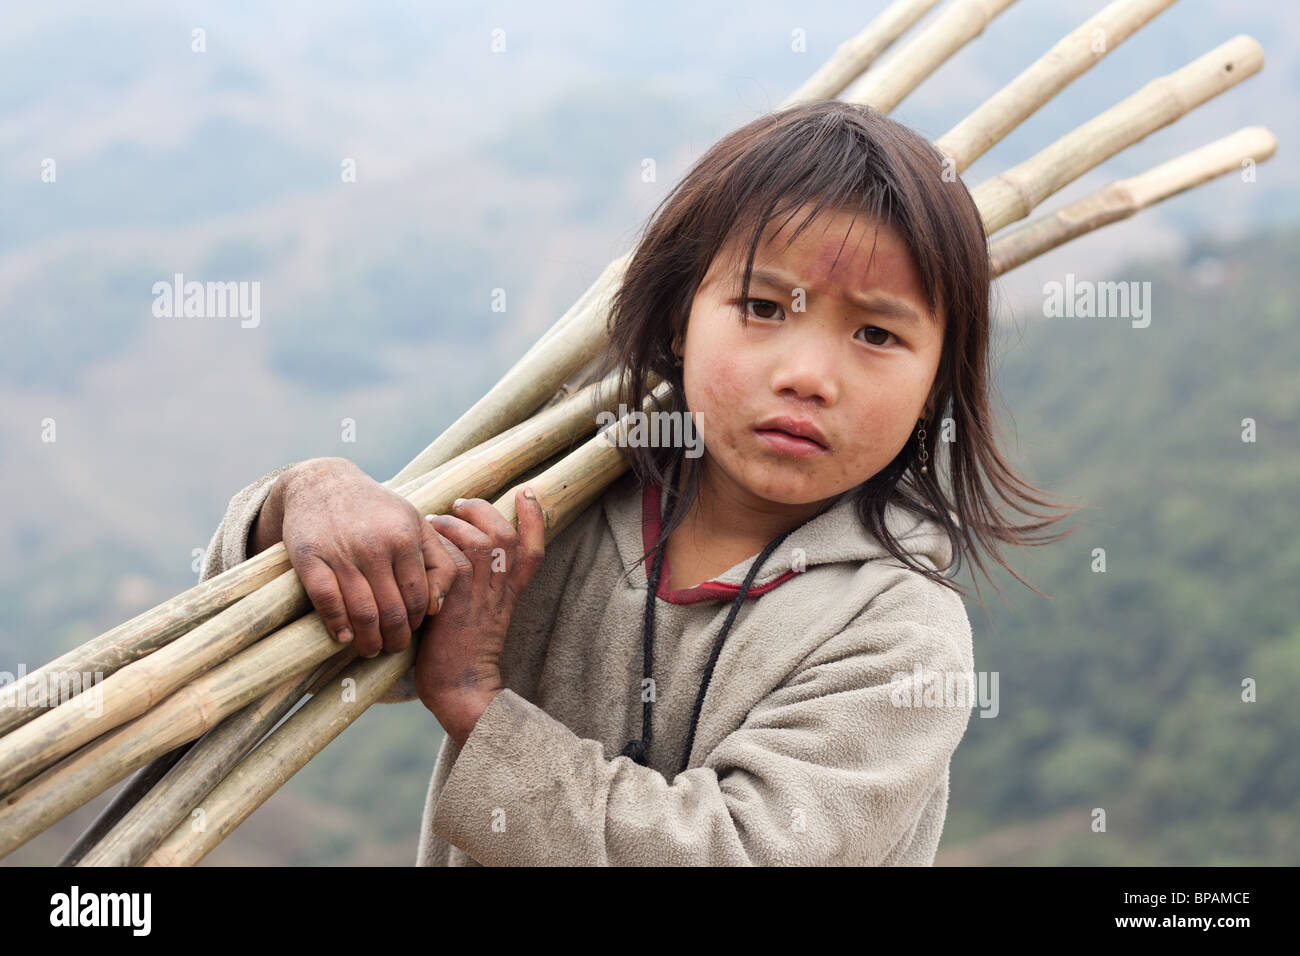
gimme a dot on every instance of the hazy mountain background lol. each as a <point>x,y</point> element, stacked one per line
<point>522,171</point>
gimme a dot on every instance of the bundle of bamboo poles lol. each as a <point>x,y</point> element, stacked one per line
<point>194,685</point>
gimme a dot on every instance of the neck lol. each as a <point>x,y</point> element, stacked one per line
<point>725,511</point>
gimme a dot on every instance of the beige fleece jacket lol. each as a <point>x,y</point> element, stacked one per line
<point>820,740</point>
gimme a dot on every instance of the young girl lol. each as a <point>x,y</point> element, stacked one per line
<point>737,658</point>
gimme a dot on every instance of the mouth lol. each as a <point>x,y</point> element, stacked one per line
<point>786,443</point>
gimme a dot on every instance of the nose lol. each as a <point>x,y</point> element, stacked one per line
<point>805,369</point>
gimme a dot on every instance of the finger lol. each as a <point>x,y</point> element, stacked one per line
<point>408,570</point>
<point>532,540</point>
<point>476,545</point>
<point>394,622</point>
<point>504,540</point>
<point>322,587</point>
<point>363,611</point>
<point>440,565</point>
<point>462,576</point>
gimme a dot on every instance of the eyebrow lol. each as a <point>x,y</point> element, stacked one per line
<point>881,303</point>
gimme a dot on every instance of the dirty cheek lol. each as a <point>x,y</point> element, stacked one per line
<point>721,398</point>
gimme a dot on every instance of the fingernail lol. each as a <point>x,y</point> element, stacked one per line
<point>345,634</point>
<point>431,518</point>
<point>440,599</point>
<point>528,493</point>
<point>457,503</point>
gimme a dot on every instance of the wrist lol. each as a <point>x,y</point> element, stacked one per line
<point>306,473</point>
<point>459,713</point>
<point>268,524</point>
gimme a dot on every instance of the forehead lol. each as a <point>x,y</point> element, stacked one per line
<point>854,258</point>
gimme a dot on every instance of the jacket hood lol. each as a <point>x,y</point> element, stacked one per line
<point>836,535</point>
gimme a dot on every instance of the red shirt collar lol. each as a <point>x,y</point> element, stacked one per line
<point>651,505</point>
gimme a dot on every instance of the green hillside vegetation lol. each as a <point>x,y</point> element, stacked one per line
<point>1124,691</point>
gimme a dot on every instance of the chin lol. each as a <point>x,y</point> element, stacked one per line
<point>794,489</point>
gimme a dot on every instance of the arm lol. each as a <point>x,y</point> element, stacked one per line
<point>827,769</point>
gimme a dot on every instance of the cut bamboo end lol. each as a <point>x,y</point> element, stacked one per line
<point>1014,194</point>
<point>1125,197</point>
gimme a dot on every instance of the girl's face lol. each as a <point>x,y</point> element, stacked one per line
<point>857,363</point>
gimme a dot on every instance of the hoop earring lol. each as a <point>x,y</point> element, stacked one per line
<point>924,456</point>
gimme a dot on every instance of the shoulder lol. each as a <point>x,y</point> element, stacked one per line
<point>907,620</point>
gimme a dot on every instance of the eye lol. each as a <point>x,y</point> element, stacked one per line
<point>763,304</point>
<point>879,331</point>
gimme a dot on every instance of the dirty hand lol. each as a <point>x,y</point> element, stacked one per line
<point>457,667</point>
<point>357,549</point>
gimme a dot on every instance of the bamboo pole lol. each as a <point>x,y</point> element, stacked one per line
<point>1014,194</point>
<point>885,86</point>
<point>201,704</point>
<point>129,796</point>
<point>522,388</point>
<point>140,636</point>
<point>170,802</point>
<point>854,55</point>
<point>263,771</point>
<point>248,721</point>
<point>564,492</point>
<point>1125,197</point>
<point>138,686</point>
<point>183,717</point>
<point>544,370</point>
<point>1069,58</point>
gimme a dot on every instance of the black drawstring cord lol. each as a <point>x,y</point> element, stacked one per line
<point>636,749</point>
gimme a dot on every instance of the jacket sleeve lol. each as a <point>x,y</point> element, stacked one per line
<point>229,544</point>
<point>836,765</point>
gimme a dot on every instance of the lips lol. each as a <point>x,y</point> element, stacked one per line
<point>798,427</point>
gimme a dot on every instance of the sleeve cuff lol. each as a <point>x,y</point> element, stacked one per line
<point>228,546</point>
<point>235,545</point>
<point>494,805</point>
